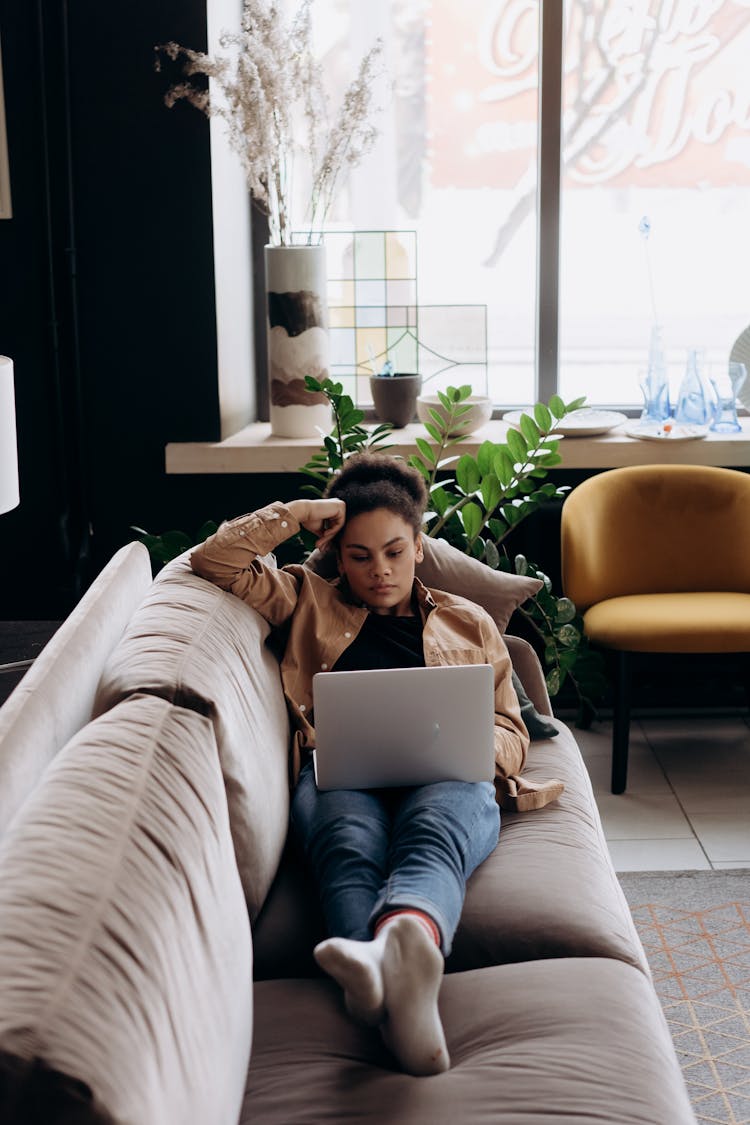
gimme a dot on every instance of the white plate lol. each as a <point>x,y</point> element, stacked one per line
<point>580,423</point>
<point>740,353</point>
<point>654,431</point>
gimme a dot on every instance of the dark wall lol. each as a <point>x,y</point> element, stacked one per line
<point>106,289</point>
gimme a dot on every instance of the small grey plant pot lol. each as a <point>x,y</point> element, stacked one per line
<point>395,397</point>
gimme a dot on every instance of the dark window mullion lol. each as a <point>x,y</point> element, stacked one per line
<point>548,196</point>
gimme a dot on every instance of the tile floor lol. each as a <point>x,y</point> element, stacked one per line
<point>687,804</point>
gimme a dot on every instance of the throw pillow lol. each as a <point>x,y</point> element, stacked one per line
<point>536,724</point>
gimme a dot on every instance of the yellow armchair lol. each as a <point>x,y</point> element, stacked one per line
<point>657,559</point>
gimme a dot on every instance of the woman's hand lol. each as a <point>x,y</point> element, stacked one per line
<point>324,518</point>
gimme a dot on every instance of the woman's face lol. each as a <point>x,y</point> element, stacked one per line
<point>377,555</point>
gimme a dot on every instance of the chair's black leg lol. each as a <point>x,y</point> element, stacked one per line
<point>745,665</point>
<point>621,724</point>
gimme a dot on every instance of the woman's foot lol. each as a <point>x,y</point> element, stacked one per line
<point>394,981</point>
<point>355,965</point>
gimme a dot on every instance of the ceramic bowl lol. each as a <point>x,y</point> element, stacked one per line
<point>480,411</point>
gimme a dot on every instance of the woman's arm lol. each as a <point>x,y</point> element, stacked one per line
<point>230,557</point>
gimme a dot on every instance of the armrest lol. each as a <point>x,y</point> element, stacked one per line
<point>125,950</point>
<point>55,697</point>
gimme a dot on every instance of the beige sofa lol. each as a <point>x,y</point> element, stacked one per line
<point>156,928</point>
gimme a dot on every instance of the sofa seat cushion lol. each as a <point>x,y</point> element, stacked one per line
<point>543,1044</point>
<point>714,621</point>
<point>547,890</point>
<point>125,954</point>
<point>201,648</point>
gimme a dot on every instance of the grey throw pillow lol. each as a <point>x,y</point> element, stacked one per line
<point>536,724</point>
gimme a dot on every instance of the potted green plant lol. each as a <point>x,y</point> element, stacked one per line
<point>476,504</point>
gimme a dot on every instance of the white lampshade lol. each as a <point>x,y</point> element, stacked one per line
<point>9,497</point>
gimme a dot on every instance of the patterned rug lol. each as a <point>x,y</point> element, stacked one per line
<point>695,928</point>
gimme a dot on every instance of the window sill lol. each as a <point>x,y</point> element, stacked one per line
<point>254,450</point>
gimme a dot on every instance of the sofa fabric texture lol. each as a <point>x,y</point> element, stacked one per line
<point>125,951</point>
<point>43,712</point>
<point>544,1043</point>
<point>201,648</point>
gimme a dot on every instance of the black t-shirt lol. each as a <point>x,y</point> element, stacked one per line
<point>384,641</point>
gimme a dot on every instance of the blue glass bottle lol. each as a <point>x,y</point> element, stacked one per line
<point>695,401</point>
<point>654,382</point>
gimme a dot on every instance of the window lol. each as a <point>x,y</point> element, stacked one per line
<point>651,118</point>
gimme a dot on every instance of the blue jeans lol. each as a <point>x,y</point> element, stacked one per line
<point>377,850</point>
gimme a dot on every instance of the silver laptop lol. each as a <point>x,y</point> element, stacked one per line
<point>404,726</point>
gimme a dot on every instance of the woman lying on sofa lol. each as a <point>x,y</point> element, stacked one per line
<point>391,865</point>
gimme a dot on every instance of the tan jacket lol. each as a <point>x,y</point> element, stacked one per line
<point>322,624</point>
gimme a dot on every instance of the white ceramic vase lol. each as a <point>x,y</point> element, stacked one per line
<point>298,342</point>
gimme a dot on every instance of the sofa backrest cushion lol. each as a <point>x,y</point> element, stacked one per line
<point>55,697</point>
<point>125,952</point>
<point>201,648</point>
<point>446,568</point>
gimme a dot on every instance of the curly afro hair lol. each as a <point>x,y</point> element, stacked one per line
<point>374,480</point>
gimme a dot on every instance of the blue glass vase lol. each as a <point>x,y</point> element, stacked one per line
<point>654,381</point>
<point>695,399</point>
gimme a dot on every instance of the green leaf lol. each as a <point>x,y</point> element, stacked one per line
<point>566,610</point>
<point>503,465</point>
<point>485,456</point>
<point>511,514</point>
<point>434,432</point>
<point>312,384</point>
<point>206,529</point>
<point>568,636</point>
<point>543,416</point>
<point>553,680</point>
<point>467,474</point>
<point>557,406</point>
<point>575,404</point>
<point>530,431</point>
<point>426,450</point>
<point>471,515</point>
<point>437,417</point>
<point>521,564</point>
<point>312,473</point>
<point>441,500</point>
<point>491,491</point>
<point>567,659</point>
<point>491,555</point>
<point>517,445</point>
<point>164,548</point>
<point>351,418</point>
